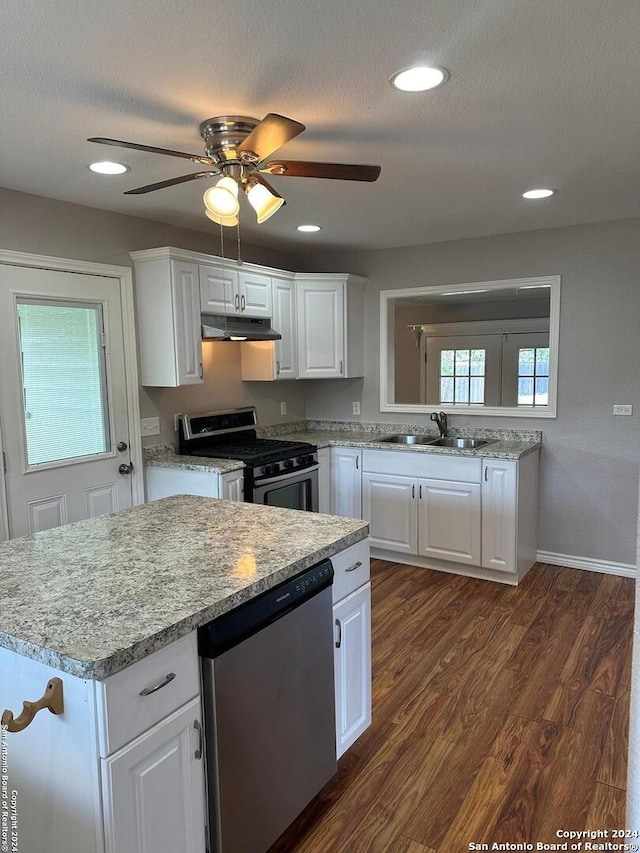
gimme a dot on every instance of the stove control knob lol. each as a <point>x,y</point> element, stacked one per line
<point>272,469</point>
<point>288,463</point>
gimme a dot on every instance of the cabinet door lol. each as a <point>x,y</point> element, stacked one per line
<point>321,329</point>
<point>219,290</point>
<point>389,503</point>
<point>233,486</point>
<point>153,789</point>
<point>324,480</point>
<point>346,482</point>
<point>499,505</point>
<point>255,294</point>
<point>352,666</point>
<point>284,321</point>
<point>186,317</point>
<point>449,520</point>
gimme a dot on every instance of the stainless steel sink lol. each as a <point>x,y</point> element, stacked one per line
<point>403,438</point>
<point>460,443</point>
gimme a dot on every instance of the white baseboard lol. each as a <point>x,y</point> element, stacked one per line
<point>607,567</point>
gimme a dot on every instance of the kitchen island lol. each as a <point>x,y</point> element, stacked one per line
<point>110,606</point>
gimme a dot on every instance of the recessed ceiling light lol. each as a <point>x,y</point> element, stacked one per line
<point>419,79</point>
<point>309,228</point>
<point>538,193</point>
<point>107,167</point>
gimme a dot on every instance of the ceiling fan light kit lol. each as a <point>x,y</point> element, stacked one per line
<point>223,198</point>
<point>229,221</point>
<point>264,202</point>
<point>237,147</point>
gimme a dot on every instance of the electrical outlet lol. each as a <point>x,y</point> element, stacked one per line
<point>623,409</point>
<point>283,408</point>
<point>150,426</point>
<point>356,407</point>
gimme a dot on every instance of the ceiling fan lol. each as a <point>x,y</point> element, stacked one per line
<point>237,147</point>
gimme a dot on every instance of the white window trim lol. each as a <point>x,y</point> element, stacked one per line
<point>125,277</point>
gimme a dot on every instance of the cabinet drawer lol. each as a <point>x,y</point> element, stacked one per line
<point>351,568</point>
<point>123,713</point>
<point>437,466</point>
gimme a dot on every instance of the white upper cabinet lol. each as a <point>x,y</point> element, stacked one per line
<point>168,314</point>
<point>330,326</point>
<point>284,321</point>
<point>227,290</point>
<point>269,360</point>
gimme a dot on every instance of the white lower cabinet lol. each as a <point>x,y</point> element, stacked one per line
<point>449,520</point>
<point>389,504</point>
<point>346,481</point>
<point>352,667</point>
<point>477,516</point>
<point>324,480</point>
<point>499,503</point>
<point>153,788</point>
<point>165,482</point>
<point>352,639</point>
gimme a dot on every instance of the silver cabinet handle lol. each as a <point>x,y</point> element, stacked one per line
<point>200,370</point>
<point>413,492</point>
<point>357,462</point>
<point>486,473</point>
<point>243,303</point>
<point>198,752</point>
<point>340,365</point>
<point>354,566</point>
<point>420,492</point>
<point>237,303</point>
<point>339,640</point>
<point>166,680</point>
<point>277,367</point>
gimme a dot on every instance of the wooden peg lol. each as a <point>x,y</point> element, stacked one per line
<point>52,699</point>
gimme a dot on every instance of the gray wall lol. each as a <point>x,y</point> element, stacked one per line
<point>30,223</point>
<point>589,462</point>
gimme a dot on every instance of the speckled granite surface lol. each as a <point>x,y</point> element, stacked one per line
<point>93,597</point>
<point>164,456</point>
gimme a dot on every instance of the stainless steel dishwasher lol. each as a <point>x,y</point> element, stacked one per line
<point>267,670</point>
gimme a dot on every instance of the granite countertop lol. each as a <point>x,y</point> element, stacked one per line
<point>93,597</point>
<point>164,456</point>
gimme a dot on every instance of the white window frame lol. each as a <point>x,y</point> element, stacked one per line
<point>387,360</point>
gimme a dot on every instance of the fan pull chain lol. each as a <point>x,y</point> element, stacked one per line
<point>222,241</point>
<point>240,261</point>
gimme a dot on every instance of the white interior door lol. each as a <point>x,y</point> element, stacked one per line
<point>63,398</point>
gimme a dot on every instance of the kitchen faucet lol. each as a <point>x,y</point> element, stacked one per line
<point>441,420</point>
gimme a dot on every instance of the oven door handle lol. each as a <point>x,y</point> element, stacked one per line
<point>288,476</point>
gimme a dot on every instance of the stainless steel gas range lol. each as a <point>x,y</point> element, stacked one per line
<point>277,472</point>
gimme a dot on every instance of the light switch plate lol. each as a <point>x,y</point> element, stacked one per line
<point>150,426</point>
<point>623,409</point>
<point>283,408</point>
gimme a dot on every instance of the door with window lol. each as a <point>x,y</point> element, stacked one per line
<point>63,400</point>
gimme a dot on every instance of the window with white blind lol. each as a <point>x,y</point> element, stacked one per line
<point>63,380</point>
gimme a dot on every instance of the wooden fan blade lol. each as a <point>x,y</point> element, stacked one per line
<point>195,158</point>
<point>335,171</point>
<point>149,188</point>
<point>272,133</point>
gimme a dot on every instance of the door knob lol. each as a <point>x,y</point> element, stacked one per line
<point>125,468</point>
<point>122,446</point>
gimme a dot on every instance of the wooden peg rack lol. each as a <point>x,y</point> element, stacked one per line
<point>52,699</point>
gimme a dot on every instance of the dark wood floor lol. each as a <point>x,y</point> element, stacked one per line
<point>500,714</point>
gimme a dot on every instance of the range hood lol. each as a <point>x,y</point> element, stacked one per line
<point>220,327</point>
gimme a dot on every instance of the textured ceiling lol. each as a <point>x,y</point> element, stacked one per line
<point>542,93</point>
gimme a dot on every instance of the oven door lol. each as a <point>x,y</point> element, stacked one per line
<point>298,490</point>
